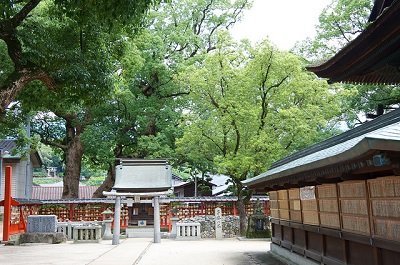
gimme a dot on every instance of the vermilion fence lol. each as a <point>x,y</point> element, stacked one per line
<point>90,210</point>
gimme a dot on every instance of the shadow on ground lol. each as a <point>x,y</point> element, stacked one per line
<point>264,258</point>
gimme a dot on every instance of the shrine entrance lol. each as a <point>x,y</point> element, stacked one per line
<point>136,178</point>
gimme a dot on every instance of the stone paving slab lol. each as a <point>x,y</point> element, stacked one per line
<point>206,251</point>
<point>46,254</point>
<point>141,251</point>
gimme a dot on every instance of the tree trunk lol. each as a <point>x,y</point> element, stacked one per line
<point>107,184</point>
<point>73,162</point>
<point>242,214</point>
<point>73,156</point>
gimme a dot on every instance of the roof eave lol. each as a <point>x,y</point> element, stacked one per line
<point>364,146</point>
<point>351,58</point>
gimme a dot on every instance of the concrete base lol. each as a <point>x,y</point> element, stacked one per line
<point>289,257</point>
<point>48,238</point>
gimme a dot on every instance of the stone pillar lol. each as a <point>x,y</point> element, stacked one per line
<point>107,230</point>
<point>117,221</point>
<point>218,223</point>
<point>174,220</point>
<point>157,229</point>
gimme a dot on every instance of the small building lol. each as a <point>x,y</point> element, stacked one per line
<point>22,170</point>
<point>188,189</point>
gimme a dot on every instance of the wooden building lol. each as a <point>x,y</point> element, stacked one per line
<point>338,202</point>
<point>189,189</point>
<point>22,170</point>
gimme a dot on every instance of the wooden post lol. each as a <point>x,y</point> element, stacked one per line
<point>7,204</point>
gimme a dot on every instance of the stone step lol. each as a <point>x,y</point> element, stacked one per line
<point>142,232</point>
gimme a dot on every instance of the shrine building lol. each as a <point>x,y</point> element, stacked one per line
<point>338,201</point>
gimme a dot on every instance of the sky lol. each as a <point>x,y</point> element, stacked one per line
<point>283,22</point>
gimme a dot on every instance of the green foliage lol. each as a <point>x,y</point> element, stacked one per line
<point>340,23</point>
<point>109,13</point>
<point>94,180</point>
<point>52,206</point>
<point>259,234</point>
<point>251,106</point>
<point>46,180</point>
<point>6,65</point>
<point>141,119</point>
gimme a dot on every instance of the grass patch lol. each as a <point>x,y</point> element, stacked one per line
<point>259,234</point>
<point>41,181</point>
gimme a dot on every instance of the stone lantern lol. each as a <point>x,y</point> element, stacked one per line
<point>107,224</point>
<point>174,219</point>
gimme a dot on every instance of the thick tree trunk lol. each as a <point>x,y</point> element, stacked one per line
<point>242,215</point>
<point>73,162</point>
<point>107,184</point>
<point>110,179</point>
<point>73,155</point>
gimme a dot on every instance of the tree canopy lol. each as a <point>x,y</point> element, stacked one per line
<point>249,107</point>
<point>22,22</point>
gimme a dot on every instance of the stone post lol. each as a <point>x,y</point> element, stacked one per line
<point>218,223</point>
<point>117,220</point>
<point>157,229</point>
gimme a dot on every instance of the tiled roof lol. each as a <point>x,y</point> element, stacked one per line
<point>7,145</point>
<point>55,193</point>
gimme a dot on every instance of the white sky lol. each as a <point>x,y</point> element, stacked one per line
<point>282,21</point>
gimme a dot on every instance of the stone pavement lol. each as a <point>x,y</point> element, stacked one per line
<point>143,252</point>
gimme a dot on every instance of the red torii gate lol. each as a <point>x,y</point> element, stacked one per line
<point>7,203</point>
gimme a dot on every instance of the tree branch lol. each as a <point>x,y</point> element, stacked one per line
<point>24,70</point>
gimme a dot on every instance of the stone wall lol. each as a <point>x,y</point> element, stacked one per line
<point>230,225</point>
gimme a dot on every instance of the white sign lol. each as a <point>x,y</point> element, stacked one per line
<point>307,193</point>
<point>218,223</point>
<point>136,198</point>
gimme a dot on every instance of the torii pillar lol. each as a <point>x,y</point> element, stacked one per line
<point>7,204</point>
<point>117,212</point>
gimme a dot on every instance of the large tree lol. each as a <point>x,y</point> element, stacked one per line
<point>77,46</point>
<point>251,106</point>
<point>339,23</point>
<point>141,121</point>
<point>14,14</point>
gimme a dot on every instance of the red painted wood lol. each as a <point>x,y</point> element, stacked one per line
<point>7,204</point>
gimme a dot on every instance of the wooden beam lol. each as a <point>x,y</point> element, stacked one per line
<point>354,177</point>
<point>322,180</point>
<point>290,186</point>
